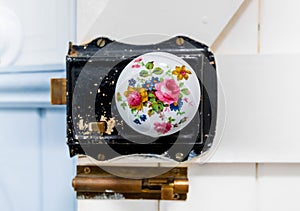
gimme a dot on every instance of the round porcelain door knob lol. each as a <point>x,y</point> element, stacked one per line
<point>157,94</point>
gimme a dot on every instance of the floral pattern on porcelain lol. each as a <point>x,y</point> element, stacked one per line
<point>157,90</point>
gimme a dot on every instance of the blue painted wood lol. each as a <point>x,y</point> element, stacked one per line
<point>58,169</point>
<point>20,161</point>
<point>27,90</point>
<point>36,171</point>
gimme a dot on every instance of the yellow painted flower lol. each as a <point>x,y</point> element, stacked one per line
<point>181,72</point>
<point>136,97</point>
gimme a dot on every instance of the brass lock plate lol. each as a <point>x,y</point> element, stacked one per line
<point>58,91</point>
<point>92,182</point>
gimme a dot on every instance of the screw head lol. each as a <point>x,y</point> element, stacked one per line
<point>101,43</point>
<point>87,170</point>
<point>176,196</point>
<point>179,41</point>
<point>101,157</point>
<point>179,156</point>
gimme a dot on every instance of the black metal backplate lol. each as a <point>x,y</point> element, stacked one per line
<point>92,67</point>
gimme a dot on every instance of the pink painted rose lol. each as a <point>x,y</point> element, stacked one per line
<point>162,128</point>
<point>167,91</point>
<point>136,66</point>
<point>138,59</point>
<point>134,98</point>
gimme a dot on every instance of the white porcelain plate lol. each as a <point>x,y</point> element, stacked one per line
<point>157,94</point>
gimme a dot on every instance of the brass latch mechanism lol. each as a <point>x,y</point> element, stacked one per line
<point>92,182</point>
<point>58,93</point>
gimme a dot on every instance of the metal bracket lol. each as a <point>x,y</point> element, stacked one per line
<point>92,182</point>
<point>58,91</point>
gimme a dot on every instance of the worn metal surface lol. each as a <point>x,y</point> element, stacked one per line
<point>93,70</point>
<point>92,182</point>
<point>58,91</point>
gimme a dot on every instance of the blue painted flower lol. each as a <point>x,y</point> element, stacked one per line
<point>150,84</point>
<point>154,80</point>
<point>177,105</point>
<point>143,117</point>
<point>136,121</point>
<point>132,82</point>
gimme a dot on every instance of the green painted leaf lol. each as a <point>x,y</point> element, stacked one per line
<point>170,120</point>
<point>149,65</point>
<point>151,95</point>
<point>144,73</point>
<point>161,79</point>
<point>180,113</point>
<point>169,73</point>
<point>182,120</point>
<point>181,84</point>
<point>157,71</point>
<point>152,100</point>
<point>185,91</point>
<point>155,106</point>
<point>123,105</point>
<point>180,95</point>
<point>119,97</point>
<point>160,107</point>
<point>151,112</point>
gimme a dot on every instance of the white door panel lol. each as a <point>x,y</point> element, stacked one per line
<point>203,20</point>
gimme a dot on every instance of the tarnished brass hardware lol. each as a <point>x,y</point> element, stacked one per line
<point>58,91</point>
<point>171,185</point>
<point>97,127</point>
<point>101,42</point>
<point>167,192</point>
<point>87,170</point>
<point>179,41</point>
<point>118,185</point>
<point>72,51</point>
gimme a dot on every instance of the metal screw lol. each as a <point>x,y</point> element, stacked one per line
<point>176,196</point>
<point>101,43</point>
<point>179,41</point>
<point>87,170</point>
<point>101,157</point>
<point>179,156</point>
